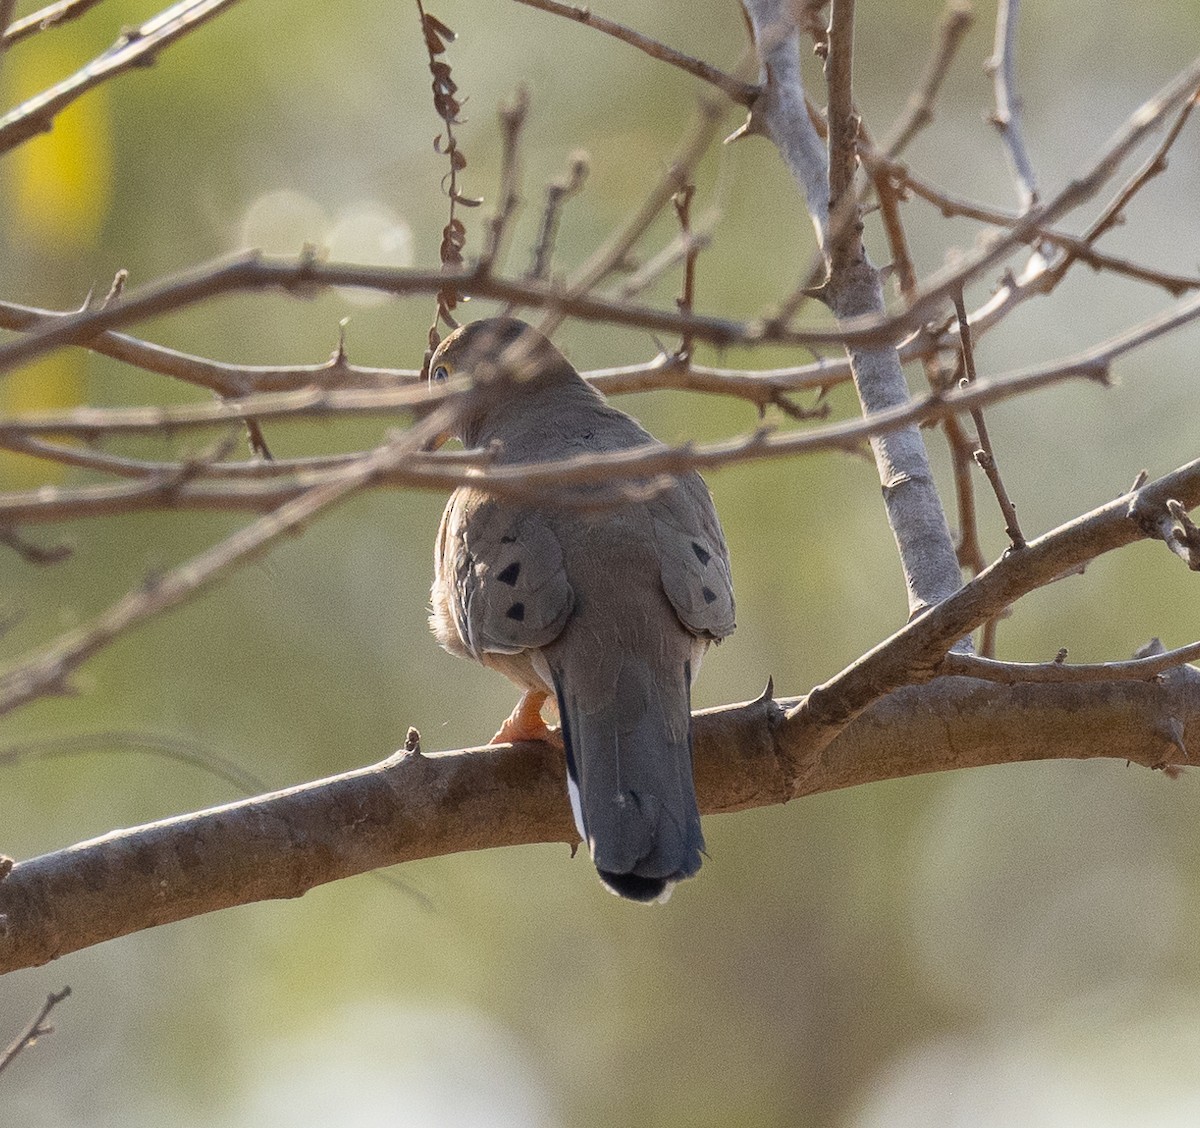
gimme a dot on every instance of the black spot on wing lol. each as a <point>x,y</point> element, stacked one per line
<point>702,553</point>
<point>510,574</point>
<point>517,611</point>
<point>709,594</point>
<point>508,539</point>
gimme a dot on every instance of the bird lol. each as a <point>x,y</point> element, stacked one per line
<point>605,610</point>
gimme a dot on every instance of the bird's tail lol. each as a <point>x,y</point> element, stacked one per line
<point>630,769</point>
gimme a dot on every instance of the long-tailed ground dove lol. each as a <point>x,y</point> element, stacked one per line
<point>606,610</point>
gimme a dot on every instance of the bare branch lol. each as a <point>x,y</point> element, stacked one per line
<point>1154,166</point>
<point>868,329</point>
<point>512,121</point>
<point>1077,247</point>
<point>439,471</point>
<point>741,92</point>
<point>43,19</point>
<point>557,193</point>
<point>230,380</point>
<point>845,228</point>
<point>1021,673</point>
<point>251,271</point>
<point>1007,118</point>
<point>36,1029</point>
<point>915,653</point>
<point>955,23</point>
<point>48,672</point>
<point>136,47</point>
<point>985,456</point>
<point>418,806</point>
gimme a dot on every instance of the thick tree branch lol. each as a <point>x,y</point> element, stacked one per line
<point>854,293</point>
<point>419,806</point>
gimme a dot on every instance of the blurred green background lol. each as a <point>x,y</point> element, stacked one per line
<point>1006,946</point>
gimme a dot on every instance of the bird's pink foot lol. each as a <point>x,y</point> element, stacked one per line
<point>525,722</point>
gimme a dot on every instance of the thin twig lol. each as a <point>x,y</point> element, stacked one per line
<point>1154,166</point>
<point>1077,247</point>
<point>228,380</point>
<point>545,481</point>
<point>136,47</point>
<point>686,302</point>
<point>35,1030</point>
<point>251,271</point>
<point>615,250</point>
<point>698,236</point>
<point>1007,118</point>
<point>741,92</point>
<point>558,192</point>
<point>43,19</point>
<point>7,7</point>
<point>918,113</point>
<point>946,282</point>
<point>48,672</point>
<point>1181,534</point>
<point>34,553</point>
<point>845,224</point>
<point>512,120</point>
<point>233,380</point>
<point>985,456</point>
<point>91,422</point>
<point>1020,673</point>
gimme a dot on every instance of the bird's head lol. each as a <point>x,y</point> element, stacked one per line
<point>506,363</point>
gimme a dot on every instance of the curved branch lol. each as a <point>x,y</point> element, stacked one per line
<point>741,92</point>
<point>420,806</point>
<point>916,652</point>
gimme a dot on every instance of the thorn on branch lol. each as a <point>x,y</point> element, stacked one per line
<point>116,289</point>
<point>792,410</point>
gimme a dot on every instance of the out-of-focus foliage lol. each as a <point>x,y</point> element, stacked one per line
<point>1011,946</point>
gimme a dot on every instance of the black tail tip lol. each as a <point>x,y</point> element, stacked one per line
<point>634,887</point>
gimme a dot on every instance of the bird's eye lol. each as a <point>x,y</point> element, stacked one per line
<point>440,373</point>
